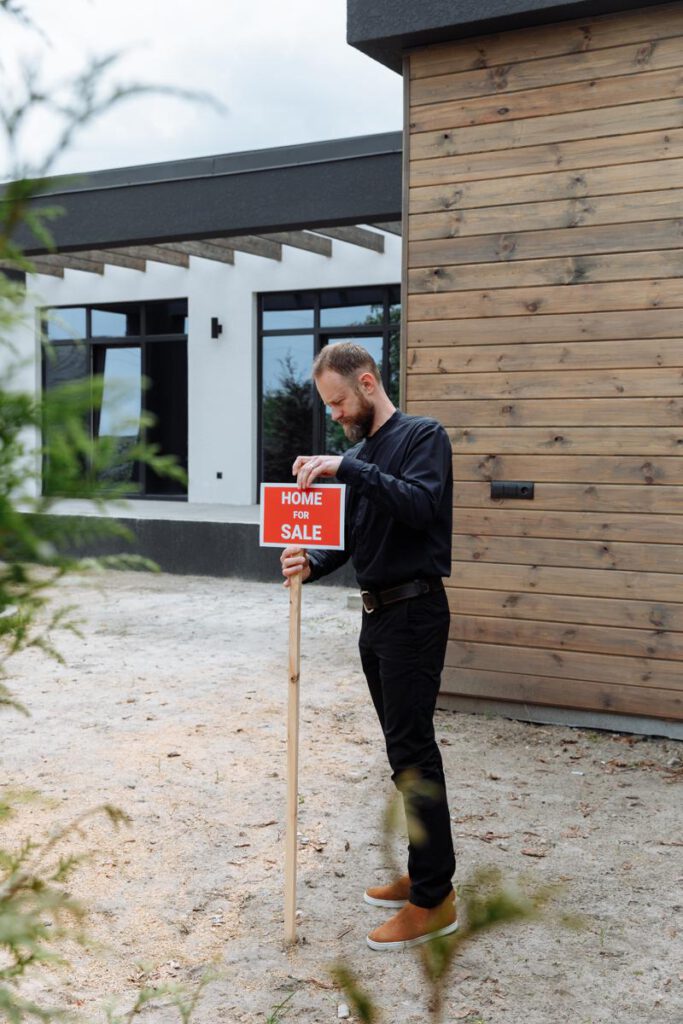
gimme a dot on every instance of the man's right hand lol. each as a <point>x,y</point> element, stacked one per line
<point>295,560</point>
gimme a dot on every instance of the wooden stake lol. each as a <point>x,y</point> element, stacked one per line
<point>292,756</point>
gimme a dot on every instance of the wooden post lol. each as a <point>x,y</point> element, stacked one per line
<point>292,756</point>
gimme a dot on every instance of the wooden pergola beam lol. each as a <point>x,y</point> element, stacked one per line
<point>47,269</point>
<point>69,261</point>
<point>255,245</point>
<point>355,236</point>
<point>302,240</point>
<point>113,259</point>
<point>155,254</point>
<point>205,250</point>
<point>392,227</point>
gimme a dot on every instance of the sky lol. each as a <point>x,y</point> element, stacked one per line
<point>281,69</point>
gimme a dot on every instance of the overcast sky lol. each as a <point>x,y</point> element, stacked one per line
<point>282,70</point>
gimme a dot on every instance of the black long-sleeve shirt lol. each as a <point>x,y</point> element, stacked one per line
<point>399,505</point>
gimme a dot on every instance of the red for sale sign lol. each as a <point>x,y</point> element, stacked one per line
<point>312,517</point>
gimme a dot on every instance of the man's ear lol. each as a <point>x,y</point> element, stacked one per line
<point>367,382</point>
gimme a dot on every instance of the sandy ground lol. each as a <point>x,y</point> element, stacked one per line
<point>173,709</point>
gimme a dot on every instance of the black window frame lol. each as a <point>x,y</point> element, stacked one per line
<point>321,335</point>
<point>143,340</point>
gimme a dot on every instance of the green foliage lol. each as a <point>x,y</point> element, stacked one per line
<point>47,448</point>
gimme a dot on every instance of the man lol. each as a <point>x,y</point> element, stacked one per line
<point>398,534</point>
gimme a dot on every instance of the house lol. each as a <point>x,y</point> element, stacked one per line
<point>543,295</point>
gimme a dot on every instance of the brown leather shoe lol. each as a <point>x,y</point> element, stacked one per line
<point>413,925</point>
<point>390,896</point>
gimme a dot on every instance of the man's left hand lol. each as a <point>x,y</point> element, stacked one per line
<point>307,468</point>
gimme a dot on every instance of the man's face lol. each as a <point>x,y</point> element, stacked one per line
<point>349,404</point>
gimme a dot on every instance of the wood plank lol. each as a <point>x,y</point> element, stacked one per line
<point>589,554</point>
<point>530,245</point>
<point>542,300</point>
<point>66,261</point>
<point>392,227</point>
<point>635,59</point>
<point>568,665</point>
<point>305,240</point>
<point>581,412</point>
<point>627,208</point>
<point>644,176</point>
<point>599,611</point>
<point>566,441</point>
<point>559,468</point>
<point>662,588</point>
<point>532,131</point>
<point>632,643</point>
<point>155,253</point>
<point>641,383</point>
<point>594,695</point>
<point>595,355</point>
<point>566,270</point>
<point>551,99</point>
<point>355,236</point>
<point>527,330</point>
<point>580,155</point>
<point>578,497</point>
<point>48,269</point>
<point>114,259</point>
<point>631,528</point>
<point>204,250</point>
<point>542,41</point>
<point>253,245</point>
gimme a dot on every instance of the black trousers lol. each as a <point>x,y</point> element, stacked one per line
<point>402,650</point>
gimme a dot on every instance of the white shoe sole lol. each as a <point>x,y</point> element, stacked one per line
<point>409,943</point>
<point>387,904</point>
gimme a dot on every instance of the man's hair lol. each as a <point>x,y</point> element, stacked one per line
<point>347,359</point>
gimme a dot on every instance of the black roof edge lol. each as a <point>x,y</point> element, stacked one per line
<point>386,29</point>
<point>335,182</point>
<point>350,148</point>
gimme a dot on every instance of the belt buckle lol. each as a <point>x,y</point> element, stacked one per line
<point>368,608</point>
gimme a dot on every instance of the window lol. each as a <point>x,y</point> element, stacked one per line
<point>139,349</point>
<point>293,327</point>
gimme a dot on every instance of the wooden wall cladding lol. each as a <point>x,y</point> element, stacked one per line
<point>544,328</point>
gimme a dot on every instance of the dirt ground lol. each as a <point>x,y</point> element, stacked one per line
<point>174,708</point>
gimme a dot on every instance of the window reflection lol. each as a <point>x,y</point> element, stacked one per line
<point>287,402</point>
<point>352,316</point>
<point>118,321</point>
<point>65,324</point>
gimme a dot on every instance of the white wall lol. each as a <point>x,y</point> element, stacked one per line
<point>222,399</point>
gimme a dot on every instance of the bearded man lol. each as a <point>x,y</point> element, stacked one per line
<point>398,534</point>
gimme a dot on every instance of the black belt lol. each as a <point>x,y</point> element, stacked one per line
<point>375,599</point>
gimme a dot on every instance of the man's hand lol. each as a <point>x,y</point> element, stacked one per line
<point>294,560</point>
<point>307,468</point>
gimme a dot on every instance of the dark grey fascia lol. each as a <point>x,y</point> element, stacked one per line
<point>385,29</point>
<point>336,182</point>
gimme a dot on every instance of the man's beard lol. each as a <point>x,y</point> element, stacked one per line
<point>358,427</point>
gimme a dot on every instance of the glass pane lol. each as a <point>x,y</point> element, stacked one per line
<point>65,324</point>
<point>394,366</point>
<point>352,316</point>
<point>287,402</point>
<point>166,399</point>
<point>352,307</point>
<point>289,311</point>
<point>122,393</point>
<point>166,317</point>
<point>115,321</point>
<point>66,362</point>
<point>335,439</point>
<point>119,415</point>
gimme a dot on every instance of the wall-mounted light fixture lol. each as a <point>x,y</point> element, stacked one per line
<point>216,327</point>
